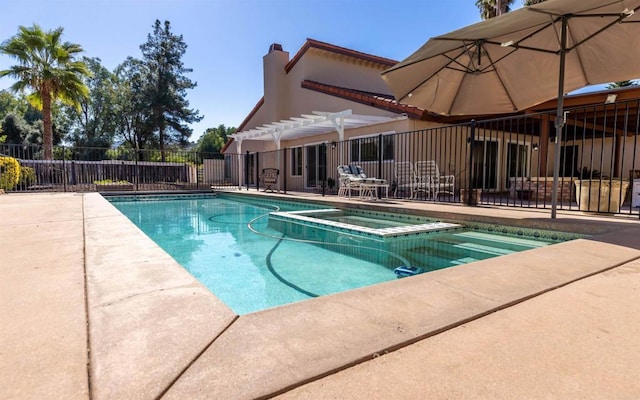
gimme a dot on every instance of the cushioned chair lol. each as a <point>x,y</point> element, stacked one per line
<point>347,181</point>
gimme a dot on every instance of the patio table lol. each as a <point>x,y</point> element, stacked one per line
<point>369,190</point>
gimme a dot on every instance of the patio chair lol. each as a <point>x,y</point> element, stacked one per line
<point>370,187</point>
<point>353,178</point>
<point>429,172</point>
<point>427,179</point>
<point>269,178</point>
<point>347,181</point>
<point>406,179</point>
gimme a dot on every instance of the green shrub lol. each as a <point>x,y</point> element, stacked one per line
<point>27,176</point>
<point>111,182</point>
<point>9,172</point>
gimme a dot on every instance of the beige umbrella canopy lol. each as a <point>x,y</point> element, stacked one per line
<point>523,58</point>
<point>512,62</point>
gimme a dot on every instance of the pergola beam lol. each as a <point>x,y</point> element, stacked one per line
<point>276,130</point>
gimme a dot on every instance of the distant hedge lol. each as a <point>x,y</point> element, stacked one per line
<point>27,176</point>
<point>9,172</point>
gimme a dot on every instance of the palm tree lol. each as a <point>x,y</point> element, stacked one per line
<point>531,2</point>
<point>615,85</point>
<point>48,68</point>
<point>493,8</point>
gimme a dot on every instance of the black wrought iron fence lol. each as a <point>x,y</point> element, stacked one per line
<point>504,161</point>
<point>121,169</point>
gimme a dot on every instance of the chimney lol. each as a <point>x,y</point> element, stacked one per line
<point>275,91</point>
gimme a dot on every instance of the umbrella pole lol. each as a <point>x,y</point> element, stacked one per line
<point>559,122</point>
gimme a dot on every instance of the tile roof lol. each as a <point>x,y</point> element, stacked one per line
<point>377,100</point>
<point>311,43</point>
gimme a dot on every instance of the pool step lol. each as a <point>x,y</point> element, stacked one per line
<point>438,260</point>
<point>479,248</point>
<point>469,247</point>
<point>463,260</point>
<point>488,237</point>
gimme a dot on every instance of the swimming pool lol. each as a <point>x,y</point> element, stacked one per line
<point>258,254</point>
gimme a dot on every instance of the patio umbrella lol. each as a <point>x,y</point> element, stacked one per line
<point>523,58</point>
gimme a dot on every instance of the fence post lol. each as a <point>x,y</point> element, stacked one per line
<point>257,175</point>
<point>199,160</point>
<point>323,173</point>
<point>470,185</point>
<point>284,173</point>
<point>380,155</point>
<point>246,170</point>
<point>136,155</point>
<point>64,169</point>
<point>73,173</point>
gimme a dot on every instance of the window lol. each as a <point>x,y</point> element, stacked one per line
<point>367,148</point>
<point>517,161</point>
<point>296,161</point>
<point>485,163</point>
<point>568,160</point>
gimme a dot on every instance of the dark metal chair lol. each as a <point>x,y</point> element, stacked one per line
<point>269,178</point>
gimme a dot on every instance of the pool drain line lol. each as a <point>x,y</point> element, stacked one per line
<point>281,239</point>
<point>279,277</point>
<point>214,217</point>
<point>404,261</point>
<point>270,267</point>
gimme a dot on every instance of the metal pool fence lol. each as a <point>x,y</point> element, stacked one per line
<point>504,161</point>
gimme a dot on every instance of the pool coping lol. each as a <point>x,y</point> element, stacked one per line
<point>137,297</point>
<point>378,232</point>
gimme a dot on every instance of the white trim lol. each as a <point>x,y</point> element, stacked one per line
<point>319,122</point>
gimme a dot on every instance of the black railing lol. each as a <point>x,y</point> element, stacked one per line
<point>505,161</point>
<point>91,169</point>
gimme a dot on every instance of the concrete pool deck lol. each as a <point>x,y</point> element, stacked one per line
<point>90,308</point>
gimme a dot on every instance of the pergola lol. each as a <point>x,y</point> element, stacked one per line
<point>318,122</point>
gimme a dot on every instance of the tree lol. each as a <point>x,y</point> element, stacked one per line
<point>615,85</point>
<point>166,86</point>
<point>8,103</point>
<point>131,112</point>
<point>48,67</point>
<point>94,122</point>
<point>214,139</point>
<point>15,129</point>
<point>493,8</point>
<point>532,2</point>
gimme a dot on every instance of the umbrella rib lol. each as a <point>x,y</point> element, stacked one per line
<point>618,20</point>
<point>491,65</point>
<point>513,105</point>
<point>517,45</point>
<point>464,68</point>
<point>555,18</point>
<point>402,65</point>
<point>430,76</point>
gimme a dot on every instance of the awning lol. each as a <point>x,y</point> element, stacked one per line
<point>318,122</point>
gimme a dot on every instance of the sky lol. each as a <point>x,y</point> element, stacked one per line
<point>227,39</point>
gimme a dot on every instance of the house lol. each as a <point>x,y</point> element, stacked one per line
<point>324,94</point>
<point>327,106</point>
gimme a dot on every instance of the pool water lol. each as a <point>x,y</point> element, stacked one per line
<point>253,262</point>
